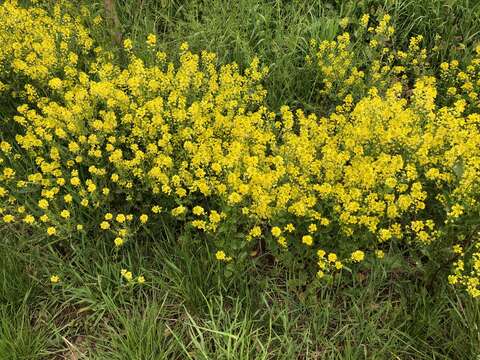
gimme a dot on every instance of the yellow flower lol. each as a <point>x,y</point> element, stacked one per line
<point>120,218</point>
<point>55,83</point>
<point>358,256</point>
<point>198,210</point>
<point>456,211</point>
<point>234,198</point>
<point>127,274</point>
<point>75,181</point>
<point>51,230</point>
<point>118,241</point>
<point>220,255</point>
<point>43,204</point>
<point>29,219</point>
<point>344,22</point>
<point>276,231</point>
<point>141,279</point>
<point>452,279</point>
<point>65,214</point>
<point>255,232</point>
<point>214,217</point>
<point>179,210</point>
<point>127,44</point>
<point>151,39</point>
<point>143,218</point>
<point>332,257</point>
<point>457,249</point>
<point>307,240</point>
<point>104,225</point>
<point>97,20</point>
<point>54,279</point>
<point>364,20</point>
<point>8,173</point>
<point>282,241</point>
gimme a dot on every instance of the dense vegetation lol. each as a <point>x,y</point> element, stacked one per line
<point>217,180</point>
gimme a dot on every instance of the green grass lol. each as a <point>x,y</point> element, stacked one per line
<point>189,308</point>
<point>278,31</point>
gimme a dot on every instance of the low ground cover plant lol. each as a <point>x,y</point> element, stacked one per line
<point>258,179</point>
<point>91,144</point>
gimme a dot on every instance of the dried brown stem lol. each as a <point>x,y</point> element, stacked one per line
<point>114,22</point>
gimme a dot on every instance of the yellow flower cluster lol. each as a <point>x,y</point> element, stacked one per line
<point>37,46</point>
<point>99,147</point>
<point>127,275</point>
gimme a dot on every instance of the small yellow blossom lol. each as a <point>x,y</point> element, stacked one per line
<point>127,274</point>
<point>276,231</point>
<point>43,204</point>
<point>452,279</point>
<point>255,232</point>
<point>321,253</point>
<point>358,256</point>
<point>51,230</point>
<point>282,241</point>
<point>151,39</point>
<point>128,44</point>
<point>332,257</point>
<point>29,219</point>
<point>457,249</point>
<point>220,255</point>
<point>198,210</point>
<point>307,240</point>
